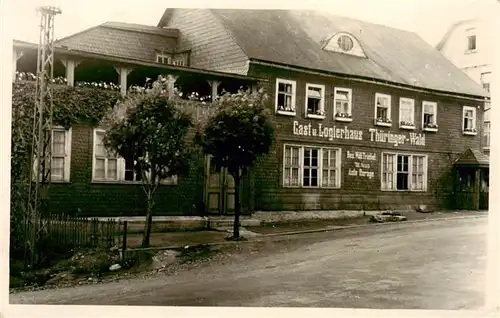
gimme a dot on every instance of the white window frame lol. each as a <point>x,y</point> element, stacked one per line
<point>347,117</point>
<point>389,113</point>
<point>293,107</point>
<point>120,167</point>
<point>338,168</point>
<point>179,62</point>
<point>67,157</point>
<point>291,166</point>
<point>434,107</point>
<point>119,164</point>
<point>473,130</point>
<point>321,103</point>
<point>486,135</point>
<point>468,34</point>
<point>163,57</point>
<point>407,125</point>
<point>410,171</point>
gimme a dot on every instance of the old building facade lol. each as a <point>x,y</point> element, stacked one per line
<point>367,117</point>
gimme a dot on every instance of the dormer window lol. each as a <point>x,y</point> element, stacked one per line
<point>344,43</point>
<point>163,58</point>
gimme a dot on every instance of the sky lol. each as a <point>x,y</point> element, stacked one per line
<point>428,18</point>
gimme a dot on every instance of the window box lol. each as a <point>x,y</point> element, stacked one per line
<point>343,117</point>
<point>471,132</point>
<point>286,111</point>
<point>406,125</point>
<point>315,101</point>
<point>386,122</point>
<point>285,97</point>
<point>430,129</point>
<point>342,104</point>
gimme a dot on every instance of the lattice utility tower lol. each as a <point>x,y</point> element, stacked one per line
<point>41,148</point>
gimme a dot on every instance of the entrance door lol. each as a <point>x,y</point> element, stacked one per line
<point>219,194</point>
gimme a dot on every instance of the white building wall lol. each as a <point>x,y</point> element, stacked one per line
<point>477,63</point>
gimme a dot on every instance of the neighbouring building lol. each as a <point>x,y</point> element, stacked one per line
<point>469,45</point>
<point>367,117</point>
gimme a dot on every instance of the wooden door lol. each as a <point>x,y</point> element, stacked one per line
<point>219,194</point>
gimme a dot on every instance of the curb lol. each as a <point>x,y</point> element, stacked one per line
<point>329,229</point>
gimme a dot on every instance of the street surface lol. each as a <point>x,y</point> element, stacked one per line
<point>428,265</point>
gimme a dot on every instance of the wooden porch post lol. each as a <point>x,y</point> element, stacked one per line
<point>123,72</point>
<point>70,66</point>
<point>477,185</point>
<point>214,85</point>
<point>170,85</point>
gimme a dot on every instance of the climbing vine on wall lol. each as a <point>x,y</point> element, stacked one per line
<point>71,105</point>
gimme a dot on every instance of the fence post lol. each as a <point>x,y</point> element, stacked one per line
<point>124,239</point>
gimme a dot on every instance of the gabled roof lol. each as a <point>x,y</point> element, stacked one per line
<point>295,38</point>
<point>134,41</point>
<point>450,30</point>
<point>472,158</point>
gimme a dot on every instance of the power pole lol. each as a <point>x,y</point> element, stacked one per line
<point>41,146</point>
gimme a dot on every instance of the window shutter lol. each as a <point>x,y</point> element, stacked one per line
<point>67,158</point>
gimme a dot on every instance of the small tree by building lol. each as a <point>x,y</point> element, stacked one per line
<point>150,128</point>
<point>239,131</point>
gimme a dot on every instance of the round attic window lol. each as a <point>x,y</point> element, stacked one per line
<point>345,43</point>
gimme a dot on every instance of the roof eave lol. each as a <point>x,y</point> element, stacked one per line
<point>174,68</point>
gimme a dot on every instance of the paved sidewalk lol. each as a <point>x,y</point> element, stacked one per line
<point>192,238</point>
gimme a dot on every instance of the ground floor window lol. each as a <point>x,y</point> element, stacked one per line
<point>404,172</point>
<point>307,166</point>
<point>109,167</point>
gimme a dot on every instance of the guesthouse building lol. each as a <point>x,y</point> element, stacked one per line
<point>367,117</point>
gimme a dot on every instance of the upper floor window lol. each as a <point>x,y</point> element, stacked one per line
<point>383,110</point>
<point>406,113</point>
<point>179,62</point>
<point>469,120</point>
<point>163,58</point>
<point>342,104</point>
<point>429,116</point>
<point>345,43</point>
<point>285,96</point>
<point>315,101</point>
<point>485,80</point>
<point>486,134</point>
<point>471,40</point>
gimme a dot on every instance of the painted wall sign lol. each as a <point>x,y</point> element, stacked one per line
<point>326,132</point>
<point>413,139</point>
<point>375,135</point>
<point>361,167</point>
